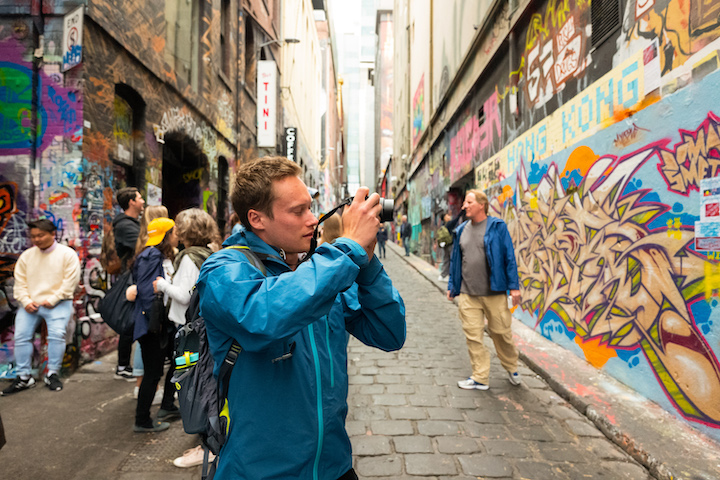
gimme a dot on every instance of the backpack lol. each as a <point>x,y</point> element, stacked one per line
<point>108,255</point>
<point>202,399</point>
<point>444,235</point>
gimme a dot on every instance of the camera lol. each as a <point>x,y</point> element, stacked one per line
<point>387,207</point>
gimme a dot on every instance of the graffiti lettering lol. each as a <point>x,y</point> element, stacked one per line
<point>588,258</point>
<point>695,157</point>
<point>418,110</point>
<point>625,138</point>
<point>194,175</point>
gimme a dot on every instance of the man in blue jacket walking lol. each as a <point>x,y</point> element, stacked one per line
<point>483,272</point>
<point>287,395</point>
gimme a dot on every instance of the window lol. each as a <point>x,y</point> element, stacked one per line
<point>128,124</point>
<point>605,18</point>
<point>225,37</point>
<point>182,46</point>
<point>250,72</point>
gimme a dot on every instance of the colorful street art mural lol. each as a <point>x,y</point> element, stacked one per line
<point>593,153</point>
<point>681,27</point>
<point>418,111</point>
<point>604,237</point>
<point>93,137</point>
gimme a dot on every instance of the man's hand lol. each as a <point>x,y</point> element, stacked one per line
<point>361,220</point>
<point>516,297</point>
<point>47,304</point>
<point>32,307</point>
<point>448,296</point>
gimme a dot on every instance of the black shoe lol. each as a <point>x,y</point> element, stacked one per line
<point>18,385</point>
<point>53,382</point>
<point>124,374</point>
<point>168,413</point>
<point>154,427</point>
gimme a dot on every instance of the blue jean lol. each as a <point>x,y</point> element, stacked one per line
<point>406,244</point>
<point>57,319</point>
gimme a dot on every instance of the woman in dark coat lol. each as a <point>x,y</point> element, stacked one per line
<point>155,260</point>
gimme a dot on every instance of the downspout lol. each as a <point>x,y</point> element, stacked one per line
<point>239,82</point>
<point>430,73</point>
<point>38,43</point>
<point>511,61</point>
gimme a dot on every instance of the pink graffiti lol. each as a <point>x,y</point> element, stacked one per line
<point>473,139</point>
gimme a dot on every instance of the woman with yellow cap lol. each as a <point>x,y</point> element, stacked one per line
<point>148,265</point>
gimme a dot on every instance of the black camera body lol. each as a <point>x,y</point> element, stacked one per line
<point>387,208</point>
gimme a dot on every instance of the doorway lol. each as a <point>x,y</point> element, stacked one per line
<point>184,173</point>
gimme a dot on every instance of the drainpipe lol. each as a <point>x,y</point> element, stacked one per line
<point>511,60</point>
<point>38,19</point>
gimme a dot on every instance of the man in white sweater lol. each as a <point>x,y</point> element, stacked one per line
<point>46,276</point>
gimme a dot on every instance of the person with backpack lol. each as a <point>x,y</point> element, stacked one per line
<point>125,228</point>
<point>287,392</point>
<point>154,261</point>
<point>196,230</point>
<point>444,241</point>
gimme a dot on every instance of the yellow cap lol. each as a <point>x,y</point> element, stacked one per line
<point>157,230</point>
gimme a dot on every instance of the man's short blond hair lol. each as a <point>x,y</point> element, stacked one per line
<point>252,188</point>
<point>481,198</point>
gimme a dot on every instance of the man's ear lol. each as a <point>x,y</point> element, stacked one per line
<point>256,220</point>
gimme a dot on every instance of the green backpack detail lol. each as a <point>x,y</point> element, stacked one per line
<point>444,235</point>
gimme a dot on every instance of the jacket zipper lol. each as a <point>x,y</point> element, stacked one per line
<point>327,340</point>
<point>318,379</point>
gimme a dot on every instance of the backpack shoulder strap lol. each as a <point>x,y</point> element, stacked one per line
<point>235,348</point>
<point>251,256</point>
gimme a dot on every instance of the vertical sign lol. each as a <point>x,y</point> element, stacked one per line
<point>266,103</point>
<point>290,134</point>
<point>72,38</point>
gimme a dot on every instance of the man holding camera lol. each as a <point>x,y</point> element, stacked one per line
<point>287,397</point>
<point>482,272</point>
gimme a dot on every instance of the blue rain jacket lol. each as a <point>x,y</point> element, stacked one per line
<point>500,255</point>
<point>287,413</point>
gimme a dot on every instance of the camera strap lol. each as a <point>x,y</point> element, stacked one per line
<point>313,242</point>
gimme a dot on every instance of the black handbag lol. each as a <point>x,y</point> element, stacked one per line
<point>116,309</point>
<point>157,315</point>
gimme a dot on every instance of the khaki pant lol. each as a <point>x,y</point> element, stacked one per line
<point>473,312</point>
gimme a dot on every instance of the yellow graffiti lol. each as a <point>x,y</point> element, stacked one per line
<point>712,280</point>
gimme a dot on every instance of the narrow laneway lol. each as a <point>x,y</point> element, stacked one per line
<point>408,418</point>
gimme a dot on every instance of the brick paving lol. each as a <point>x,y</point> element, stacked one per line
<point>408,419</point>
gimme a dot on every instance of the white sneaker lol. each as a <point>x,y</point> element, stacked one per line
<point>514,378</point>
<point>470,384</point>
<point>193,458</point>
<point>157,400</point>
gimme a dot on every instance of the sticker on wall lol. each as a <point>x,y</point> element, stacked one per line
<point>154,195</point>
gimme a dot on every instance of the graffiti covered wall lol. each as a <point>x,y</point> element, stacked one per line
<point>106,123</point>
<point>593,151</point>
<point>604,235</point>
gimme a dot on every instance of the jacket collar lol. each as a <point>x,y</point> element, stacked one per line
<point>258,246</point>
